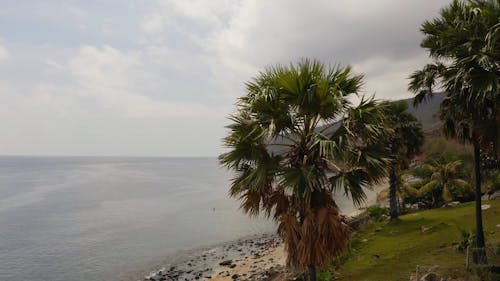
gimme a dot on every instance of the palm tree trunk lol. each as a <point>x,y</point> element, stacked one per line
<point>481,255</point>
<point>393,203</point>
<point>312,273</point>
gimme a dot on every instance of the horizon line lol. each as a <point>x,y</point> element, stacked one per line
<point>103,155</point>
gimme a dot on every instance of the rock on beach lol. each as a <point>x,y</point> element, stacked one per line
<point>251,259</point>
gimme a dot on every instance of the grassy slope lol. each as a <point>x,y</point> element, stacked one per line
<point>402,246</point>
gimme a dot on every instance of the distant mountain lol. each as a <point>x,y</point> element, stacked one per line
<point>427,111</point>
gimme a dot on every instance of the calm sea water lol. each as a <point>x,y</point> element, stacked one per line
<point>101,218</point>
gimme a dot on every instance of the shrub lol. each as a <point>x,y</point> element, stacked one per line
<point>468,239</point>
<point>377,212</point>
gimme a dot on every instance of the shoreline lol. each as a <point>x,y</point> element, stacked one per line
<point>255,257</point>
<point>268,265</point>
<point>203,263</point>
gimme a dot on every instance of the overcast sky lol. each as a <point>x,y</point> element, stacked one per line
<point>159,77</point>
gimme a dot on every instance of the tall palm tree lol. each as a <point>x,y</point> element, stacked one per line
<point>444,177</point>
<point>463,44</point>
<point>296,138</point>
<point>405,140</point>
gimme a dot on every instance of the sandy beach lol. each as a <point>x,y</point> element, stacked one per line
<point>269,265</point>
<point>257,258</point>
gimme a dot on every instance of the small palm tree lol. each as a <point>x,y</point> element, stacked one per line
<point>405,140</point>
<point>295,139</point>
<point>463,43</point>
<point>445,177</point>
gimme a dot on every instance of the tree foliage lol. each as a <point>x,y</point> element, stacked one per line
<point>463,42</point>
<point>445,182</point>
<point>405,139</point>
<point>295,139</point>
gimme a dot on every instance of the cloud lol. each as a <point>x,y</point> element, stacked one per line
<point>208,14</point>
<point>106,101</point>
<point>154,24</point>
<point>53,64</point>
<point>380,70</point>
<point>241,38</point>
<point>73,11</point>
<point>349,32</point>
<point>121,81</point>
<point>156,75</point>
<point>342,30</point>
<point>4,54</point>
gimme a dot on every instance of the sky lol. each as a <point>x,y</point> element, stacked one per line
<point>160,77</point>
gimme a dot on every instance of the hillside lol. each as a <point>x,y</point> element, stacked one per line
<point>427,111</point>
<point>392,250</point>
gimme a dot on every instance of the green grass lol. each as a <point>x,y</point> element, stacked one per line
<point>401,245</point>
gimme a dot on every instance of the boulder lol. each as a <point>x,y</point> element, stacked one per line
<point>485,207</point>
<point>424,229</point>
<point>491,195</point>
<point>226,263</point>
<point>431,276</point>
<point>495,195</point>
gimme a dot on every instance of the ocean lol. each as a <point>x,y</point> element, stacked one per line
<point>113,218</point>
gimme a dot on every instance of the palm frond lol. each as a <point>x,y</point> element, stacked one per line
<point>286,167</point>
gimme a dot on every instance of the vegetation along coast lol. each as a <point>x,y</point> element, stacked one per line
<point>304,131</point>
<point>250,140</point>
